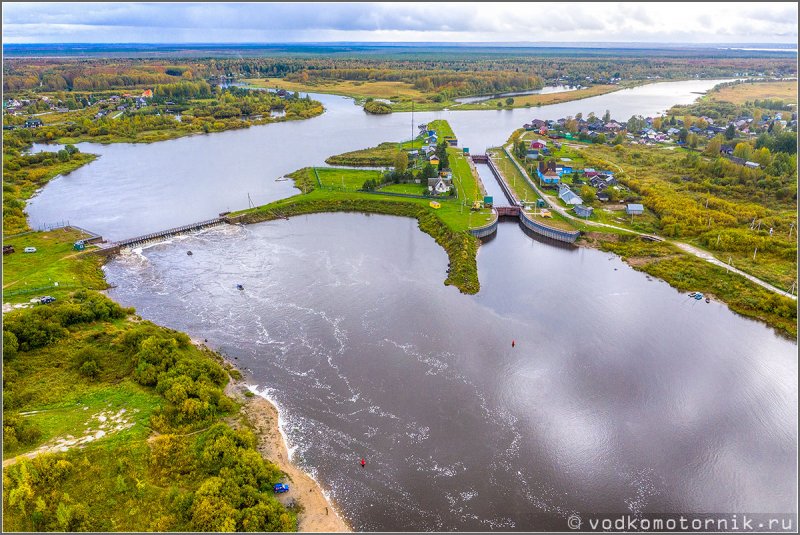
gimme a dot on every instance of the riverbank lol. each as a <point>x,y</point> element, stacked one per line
<point>317,513</point>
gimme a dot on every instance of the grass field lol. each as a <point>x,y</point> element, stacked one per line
<point>54,261</point>
<point>547,99</point>
<point>402,94</point>
<point>412,189</point>
<point>742,93</point>
<point>356,89</point>
<point>346,179</point>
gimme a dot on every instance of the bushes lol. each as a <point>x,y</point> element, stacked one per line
<point>43,325</point>
<point>18,431</point>
<point>237,495</point>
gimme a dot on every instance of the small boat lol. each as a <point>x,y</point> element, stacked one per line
<point>239,287</point>
<point>699,296</point>
<point>189,253</point>
<point>708,299</point>
<point>434,204</point>
<point>692,294</point>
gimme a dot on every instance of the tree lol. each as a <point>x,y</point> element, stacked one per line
<point>714,146</point>
<point>509,101</point>
<point>762,156</point>
<point>428,171</point>
<point>692,140</point>
<point>401,162</point>
<point>730,132</point>
<point>657,123</point>
<point>441,153</point>
<point>601,138</point>
<point>683,134</point>
<point>607,117</point>
<point>619,139</point>
<point>742,150</point>
<point>587,194</point>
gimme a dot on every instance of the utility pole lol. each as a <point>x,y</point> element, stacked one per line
<point>754,253</point>
<point>791,227</point>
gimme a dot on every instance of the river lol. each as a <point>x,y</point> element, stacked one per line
<point>620,395</point>
<point>134,189</point>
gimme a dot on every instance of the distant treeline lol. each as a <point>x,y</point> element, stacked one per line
<point>413,66</point>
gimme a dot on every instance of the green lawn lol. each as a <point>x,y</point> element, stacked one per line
<point>54,261</point>
<point>80,415</point>
<point>412,189</point>
<point>346,179</point>
<point>442,128</point>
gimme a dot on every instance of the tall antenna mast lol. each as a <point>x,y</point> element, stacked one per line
<point>412,125</point>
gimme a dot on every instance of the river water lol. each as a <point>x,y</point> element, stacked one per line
<point>546,90</point>
<point>134,189</point>
<point>620,395</point>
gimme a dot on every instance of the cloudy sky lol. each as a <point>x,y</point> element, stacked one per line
<point>134,22</point>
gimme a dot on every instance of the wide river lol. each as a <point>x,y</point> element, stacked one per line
<point>620,395</point>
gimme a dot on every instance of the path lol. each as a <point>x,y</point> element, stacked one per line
<point>691,249</point>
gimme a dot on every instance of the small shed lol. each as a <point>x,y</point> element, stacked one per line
<point>79,245</point>
<point>488,200</point>
<point>634,209</point>
<point>583,211</point>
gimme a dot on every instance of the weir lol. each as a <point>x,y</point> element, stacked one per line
<point>115,247</point>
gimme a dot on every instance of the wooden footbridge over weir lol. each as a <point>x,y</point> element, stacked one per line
<point>516,211</point>
<point>115,247</point>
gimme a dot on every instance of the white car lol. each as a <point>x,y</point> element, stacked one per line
<point>30,249</point>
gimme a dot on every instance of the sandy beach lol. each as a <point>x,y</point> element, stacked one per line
<point>318,514</point>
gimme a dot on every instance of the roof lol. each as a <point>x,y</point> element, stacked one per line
<point>635,207</point>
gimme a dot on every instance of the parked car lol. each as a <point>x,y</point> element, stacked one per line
<point>30,249</point>
<point>280,488</point>
<point>47,299</point>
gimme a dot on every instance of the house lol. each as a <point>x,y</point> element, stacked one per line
<point>752,165</point>
<point>147,93</point>
<point>602,196</point>
<point>568,196</point>
<point>433,160</point>
<point>608,178</point>
<point>538,145</point>
<point>589,172</point>
<point>33,123</point>
<point>439,185</point>
<point>634,209</point>
<point>451,141</point>
<point>532,154</point>
<point>550,177</point>
<point>613,126</point>
<point>583,211</point>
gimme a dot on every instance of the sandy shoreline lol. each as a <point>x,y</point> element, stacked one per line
<point>318,514</point>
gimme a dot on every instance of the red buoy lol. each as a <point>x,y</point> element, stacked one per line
<point>513,343</point>
<point>363,463</point>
